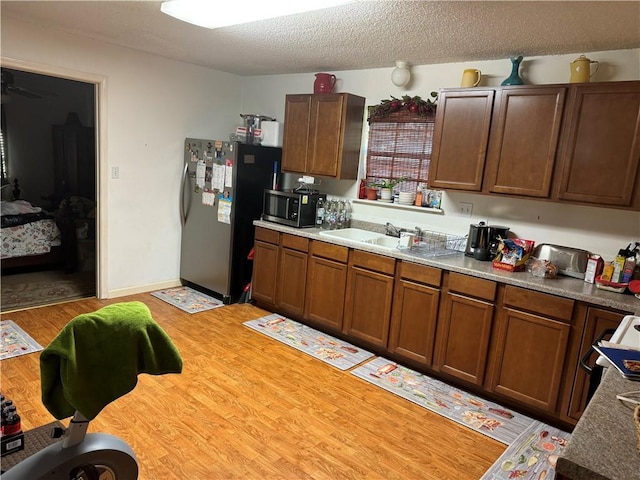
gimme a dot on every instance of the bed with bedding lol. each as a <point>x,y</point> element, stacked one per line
<point>31,236</point>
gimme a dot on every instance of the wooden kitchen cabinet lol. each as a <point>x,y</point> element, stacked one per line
<point>322,134</point>
<point>292,274</point>
<point>415,312</point>
<point>369,297</point>
<point>523,141</point>
<point>464,327</point>
<point>600,154</point>
<point>326,285</point>
<point>598,320</point>
<point>460,139</point>
<point>531,342</point>
<point>265,267</point>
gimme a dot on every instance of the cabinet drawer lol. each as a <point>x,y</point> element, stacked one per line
<point>540,303</point>
<point>294,242</point>
<point>266,235</point>
<point>330,251</point>
<point>421,274</point>
<point>371,261</point>
<point>475,287</point>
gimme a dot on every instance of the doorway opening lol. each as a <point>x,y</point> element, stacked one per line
<point>49,189</point>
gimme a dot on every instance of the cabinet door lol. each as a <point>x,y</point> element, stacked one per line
<point>598,320</point>
<point>524,139</point>
<point>296,133</point>
<point>325,134</point>
<point>292,278</point>
<point>413,321</point>
<point>529,357</point>
<point>324,299</point>
<point>265,269</point>
<point>464,330</point>
<point>461,136</point>
<point>368,306</point>
<point>601,149</point>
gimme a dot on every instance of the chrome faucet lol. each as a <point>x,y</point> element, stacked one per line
<point>393,231</point>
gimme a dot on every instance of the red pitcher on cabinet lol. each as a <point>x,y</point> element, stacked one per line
<point>324,83</point>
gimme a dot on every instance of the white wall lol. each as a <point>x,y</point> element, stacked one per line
<point>152,104</point>
<point>599,230</point>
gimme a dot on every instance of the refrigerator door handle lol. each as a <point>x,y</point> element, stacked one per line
<point>183,213</point>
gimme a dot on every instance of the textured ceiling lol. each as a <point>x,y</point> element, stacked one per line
<point>362,35</point>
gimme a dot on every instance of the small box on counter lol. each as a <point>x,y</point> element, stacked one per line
<point>11,444</point>
<point>513,253</point>
<point>595,265</point>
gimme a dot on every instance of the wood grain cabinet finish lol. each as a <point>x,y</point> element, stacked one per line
<point>600,154</point>
<point>464,328</point>
<point>460,139</point>
<point>292,274</point>
<point>530,347</point>
<point>326,285</point>
<point>598,320</point>
<point>415,312</point>
<point>523,141</point>
<point>369,297</point>
<point>265,267</point>
<point>323,134</point>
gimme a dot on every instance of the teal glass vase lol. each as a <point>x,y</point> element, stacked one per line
<point>514,78</point>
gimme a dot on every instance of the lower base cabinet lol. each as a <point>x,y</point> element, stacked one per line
<point>369,297</point>
<point>415,313</point>
<point>265,267</point>
<point>292,274</point>
<point>326,284</point>
<point>464,328</point>
<point>530,347</point>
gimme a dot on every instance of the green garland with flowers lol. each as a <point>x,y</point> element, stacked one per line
<point>415,105</point>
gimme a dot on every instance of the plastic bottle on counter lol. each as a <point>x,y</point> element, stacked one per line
<point>320,213</point>
<point>347,214</point>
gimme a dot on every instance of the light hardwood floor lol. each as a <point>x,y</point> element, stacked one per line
<point>248,407</point>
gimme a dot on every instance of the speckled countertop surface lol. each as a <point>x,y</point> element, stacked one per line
<point>604,445</point>
<point>562,286</point>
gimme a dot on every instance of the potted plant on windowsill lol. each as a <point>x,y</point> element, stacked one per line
<point>386,187</point>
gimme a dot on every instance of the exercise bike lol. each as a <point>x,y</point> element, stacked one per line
<point>88,350</point>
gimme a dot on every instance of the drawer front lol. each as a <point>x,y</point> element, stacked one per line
<point>475,287</point>
<point>371,261</point>
<point>266,235</point>
<point>330,251</point>
<point>421,274</point>
<point>540,303</point>
<point>294,242</point>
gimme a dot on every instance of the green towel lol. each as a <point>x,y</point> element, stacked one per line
<point>97,357</point>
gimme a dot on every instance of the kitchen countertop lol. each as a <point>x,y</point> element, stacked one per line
<point>561,286</point>
<point>604,445</point>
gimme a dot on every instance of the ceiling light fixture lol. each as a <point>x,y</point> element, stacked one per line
<point>401,75</point>
<point>208,14</point>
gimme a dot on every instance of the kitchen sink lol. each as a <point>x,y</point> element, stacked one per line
<point>363,236</point>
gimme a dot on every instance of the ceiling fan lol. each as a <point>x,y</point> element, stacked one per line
<point>9,87</point>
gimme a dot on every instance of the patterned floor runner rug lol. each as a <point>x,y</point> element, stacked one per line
<point>188,299</point>
<point>532,456</point>
<point>333,351</point>
<point>15,341</point>
<point>486,417</point>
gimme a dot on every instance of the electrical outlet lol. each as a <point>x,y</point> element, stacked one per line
<point>115,172</point>
<point>465,209</point>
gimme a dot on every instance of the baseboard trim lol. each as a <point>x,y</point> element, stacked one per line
<point>143,289</point>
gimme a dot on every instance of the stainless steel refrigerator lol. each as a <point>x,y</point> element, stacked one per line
<point>221,195</point>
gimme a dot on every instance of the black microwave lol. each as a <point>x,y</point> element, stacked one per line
<point>295,209</point>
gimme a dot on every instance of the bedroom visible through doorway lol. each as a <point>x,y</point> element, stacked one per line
<point>50,164</point>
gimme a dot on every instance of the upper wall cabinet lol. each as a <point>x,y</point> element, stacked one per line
<point>460,139</point>
<point>323,134</point>
<point>598,161</point>
<point>577,143</point>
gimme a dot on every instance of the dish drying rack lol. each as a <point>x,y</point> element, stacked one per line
<point>438,244</point>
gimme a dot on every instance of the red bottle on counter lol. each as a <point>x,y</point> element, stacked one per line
<point>362,192</point>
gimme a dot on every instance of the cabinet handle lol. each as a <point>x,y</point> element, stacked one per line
<point>585,357</point>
